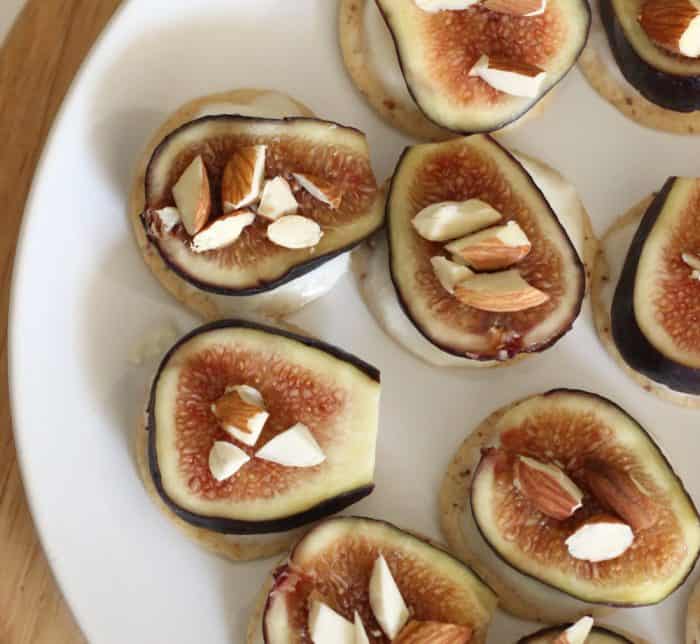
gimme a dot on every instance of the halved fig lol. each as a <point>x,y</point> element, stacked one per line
<point>574,430</point>
<point>657,300</point>
<point>664,77</point>
<point>334,561</point>
<point>335,395</point>
<point>437,50</point>
<point>335,154</point>
<point>598,635</point>
<point>458,170</point>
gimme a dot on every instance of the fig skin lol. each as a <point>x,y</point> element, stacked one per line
<point>553,631</point>
<point>224,525</point>
<point>595,398</point>
<point>517,351</point>
<point>299,270</point>
<point>513,117</point>
<point>640,354</point>
<point>670,91</point>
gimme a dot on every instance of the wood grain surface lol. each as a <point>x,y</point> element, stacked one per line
<point>37,63</point>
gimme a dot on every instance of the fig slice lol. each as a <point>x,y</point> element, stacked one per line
<point>569,428</point>
<point>656,304</point>
<point>477,167</point>
<point>553,634</point>
<point>335,395</point>
<point>337,156</point>
<point>437,50</point>
<point>664,77</point>
<point>335,561</point>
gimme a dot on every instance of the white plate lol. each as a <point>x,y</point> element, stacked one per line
<point>83,297</point>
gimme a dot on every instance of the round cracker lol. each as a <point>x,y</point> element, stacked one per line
<point>247,548</point>
<point>627,100</point>
<point>601,313</point>
<point>692,617</point>
<point>199,301</point>
<point>453,505</point>
<point>394,109</point>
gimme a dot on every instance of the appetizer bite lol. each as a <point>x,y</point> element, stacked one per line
<point>430,67</point>
<point>646,292</point>
<point>252,432</point>
<point>354,580</point>
<point>644,58</point>
<point>564,504</point>
<point>483,253</point>
<point>252,208</point>
<point>581,632</point>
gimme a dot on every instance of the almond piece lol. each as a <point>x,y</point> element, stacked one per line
<point>673,25</point>
<point>517,7</point>
<point>163,221</point>
<point>451,219</point>
<point>510,76</point>
<point>600,538</point>
<point>547,487</point>
<point>618,492</point>
<point>449,273</point>
<point>691,260</point>
<point>243,177</point>
<point>494,248</point>
<point>360,630</point>
<point>223,231</point>
<point>295,232</point>
<point>385,598</point>
<point>416,632</point>
<point>193,196</point>
<point>325,625</point>
<point>295,447</point>
<point>225,460</point>
<point>576,633</point>
<point>500,292</point>
<point>277,199</point>
<point>319,188</point>
<point>241,412</point>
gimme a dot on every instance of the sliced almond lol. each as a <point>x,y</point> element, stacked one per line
<point>193,196</point>
<point>433,6</point>
<point>225,460</point>
<point>691,260</point>
<point>494,248</point>
<point>500,292</point>
<point>277,199</point>
<point>517,7</point>
<point>243,177</point>
<point>241,412</point>
<point>673,25</point>
<point>360,632</point>
<point>325,625</point>
<point>295,447</point>
<point>619,492</point>
<point>223,231</point>
<point>510,76</point>
<point>319,188</point>
<point>294,231</point>
<point>417,632</point>
<point>451,219</point>
<point>547,487</point>
<point>600,538</point>
<point>163,221</point>
<point>449,273</point>
<point>385,598</point>
<point>576,633</point>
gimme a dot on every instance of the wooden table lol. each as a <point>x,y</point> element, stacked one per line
<point>37,63</point>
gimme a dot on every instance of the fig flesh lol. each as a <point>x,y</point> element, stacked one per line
<point>301,381</point>
<point>670,80</point>
<point>598,635</point>
<point>656,302</point>
<point>335,561</point>
<point>437,50</point>
<point>459,170</point>
<point>572,429</point>
<point>337,155</point>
